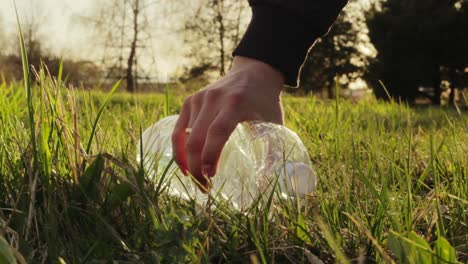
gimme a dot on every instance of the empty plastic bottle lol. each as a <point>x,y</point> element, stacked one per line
<point>258,158</point>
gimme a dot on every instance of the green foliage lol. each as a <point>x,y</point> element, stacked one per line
<point>338,54</point>
<point>419,43</point>
<point>412,248</point>
<point>444,252</point>
<point>6,254</point>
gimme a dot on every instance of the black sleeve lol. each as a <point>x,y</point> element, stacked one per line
<point>282,31</point>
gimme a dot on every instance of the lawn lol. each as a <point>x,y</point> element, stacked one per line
<point>392,185</point>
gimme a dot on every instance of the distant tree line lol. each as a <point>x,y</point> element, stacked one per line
<point>123,30</point>
<point>402,49</point>
<point>211,32</point>
<point>338,57</point>
<point>76,72</point>
<point>79,73</point>
<point>422,48</point>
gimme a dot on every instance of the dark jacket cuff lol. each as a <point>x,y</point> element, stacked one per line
<point>279,38</point>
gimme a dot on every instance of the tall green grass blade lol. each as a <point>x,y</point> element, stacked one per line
<point>332,242</point>
<point>164,175</point>
<point>92,177</point>
<point>302,231</point>
<point>258,245</point>
<point>6,254</point>
<point>166,101</point>
<point>29,91</point>
<point>60,72</point>
<point>101,110</point>
<point>386,90</point>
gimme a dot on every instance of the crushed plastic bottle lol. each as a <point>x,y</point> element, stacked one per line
<point>258,157</point>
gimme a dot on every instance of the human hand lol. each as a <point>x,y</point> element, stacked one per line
<point>250,91</point>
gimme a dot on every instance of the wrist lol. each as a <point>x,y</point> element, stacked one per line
<point>258,70</point>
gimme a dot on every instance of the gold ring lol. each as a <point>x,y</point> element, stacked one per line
<point>188,130</point>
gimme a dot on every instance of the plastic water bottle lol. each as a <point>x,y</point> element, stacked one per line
<point>257,159</point>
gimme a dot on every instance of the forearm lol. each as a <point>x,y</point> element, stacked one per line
<point>282,31</point>
<point>316,11</point>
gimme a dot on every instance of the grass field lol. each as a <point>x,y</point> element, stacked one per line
<point>392,186</point>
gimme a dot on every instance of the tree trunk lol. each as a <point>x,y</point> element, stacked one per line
<point>452,95</point>
<point>330,90</point>
<point>437,89</point>
<point>221,33</point>
<point>131,58</point>
<point>237,29</point>
<point>452,85</point>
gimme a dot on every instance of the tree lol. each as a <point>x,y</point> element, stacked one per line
<point>124,28</point>
<point>76,72</point>
<point>213,31</point>
<point>31,24</point>
<point>454,58</point>
<point>420,43</point>
<point>3,43</point>
<point>339,55</point>
<point>3,39</point>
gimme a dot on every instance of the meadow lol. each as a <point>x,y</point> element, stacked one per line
<point>392,185</point>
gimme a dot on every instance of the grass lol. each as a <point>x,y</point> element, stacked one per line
<point>392,185</point>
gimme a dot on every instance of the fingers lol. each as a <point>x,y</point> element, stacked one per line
<point>197,153</point>
<point>196,103</point>
<point>195,142</point>
<point>178,138</point>
<point>217,135</point>
<point>187,117</point>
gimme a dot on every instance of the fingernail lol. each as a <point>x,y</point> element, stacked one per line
<point>184,170</point>
<point>204,184</point>
<point>208,170</point>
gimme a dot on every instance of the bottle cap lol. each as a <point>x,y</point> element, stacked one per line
<point>297,179</point>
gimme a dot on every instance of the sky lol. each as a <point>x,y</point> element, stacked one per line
<point>57,19</point>
<point>64,35</point>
